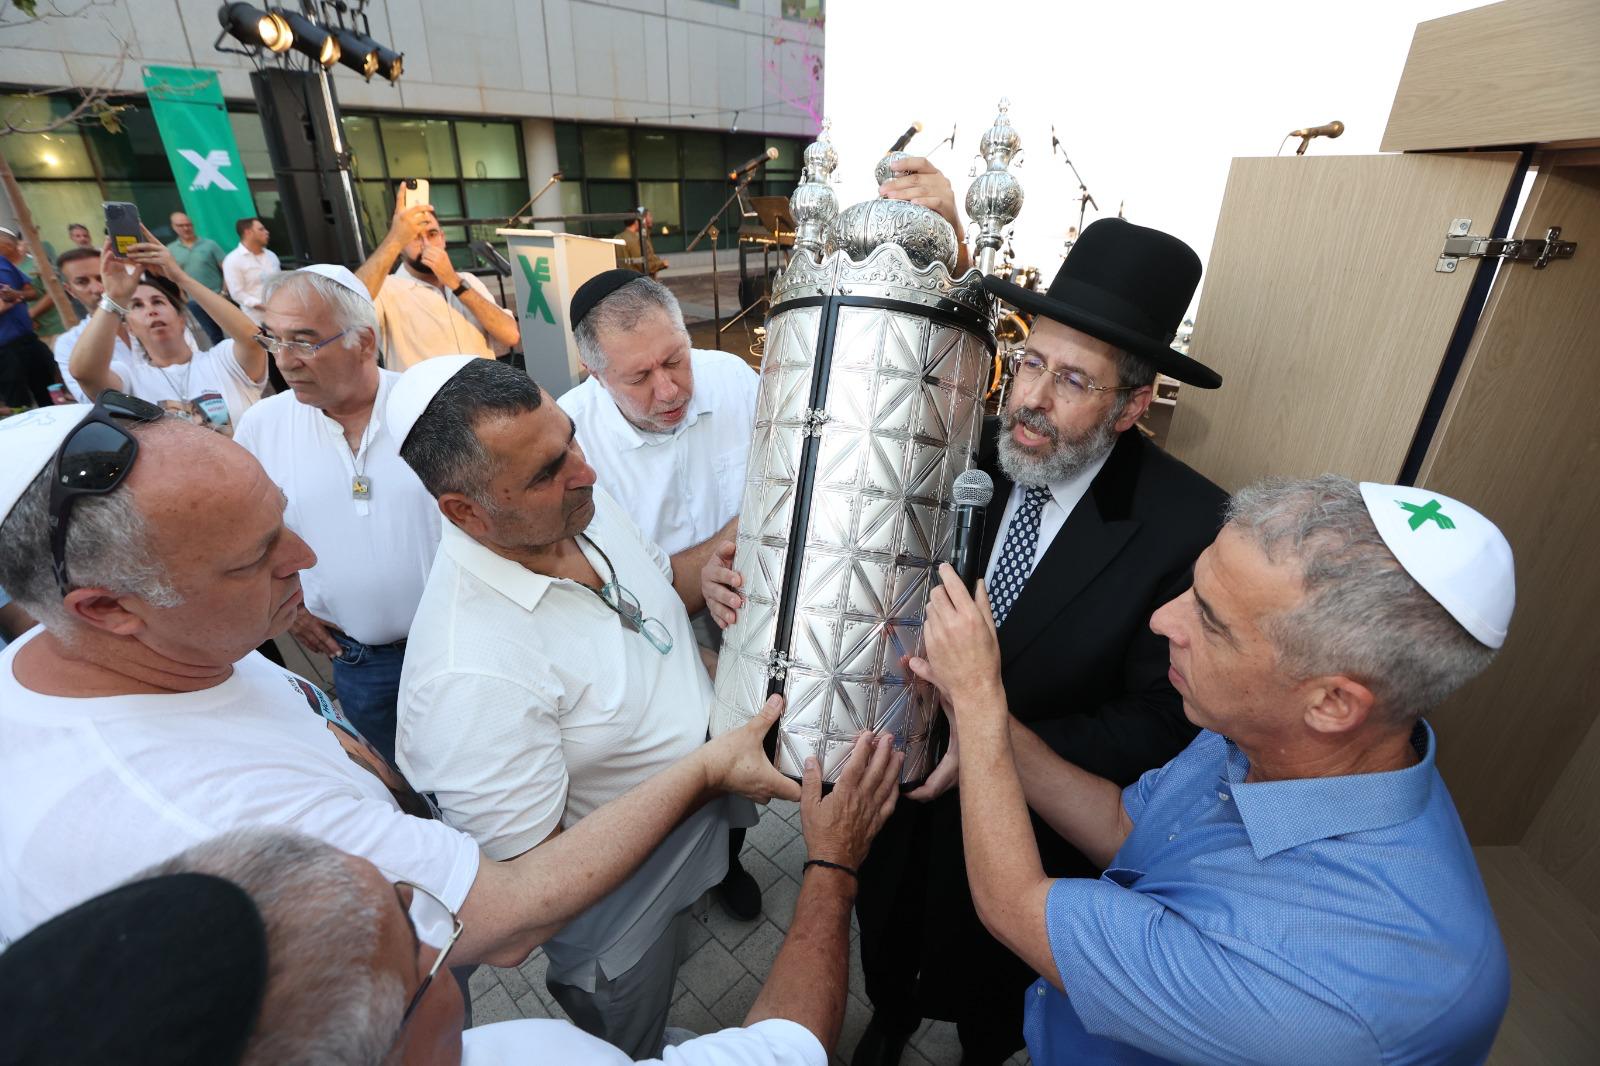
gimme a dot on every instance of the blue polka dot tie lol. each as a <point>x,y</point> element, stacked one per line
<point>1016,555</point>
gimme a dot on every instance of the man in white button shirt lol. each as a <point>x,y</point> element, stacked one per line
<point>245,269</point>
<point>426,308</point>
<point>326,444</point>
<point>667,428</point>
<point>551,667</point>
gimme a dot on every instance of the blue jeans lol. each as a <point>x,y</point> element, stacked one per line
<point>366,678</point>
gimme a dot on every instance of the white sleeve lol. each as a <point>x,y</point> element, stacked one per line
<point>774,1042</point>
<point>233,278</point>
<point>489,749</point>
<point>476,284</point>
<point>223,352</point>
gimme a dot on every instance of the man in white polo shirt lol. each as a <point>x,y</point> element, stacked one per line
<point>370,521</point>
<point>666,428</point>
<point>551,667</point>
<point>426,308</point>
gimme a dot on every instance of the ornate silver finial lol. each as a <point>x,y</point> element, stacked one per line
<point>884,171</point>
<point>995,198</point>
<point>919,231</point>
<point>813,202</point>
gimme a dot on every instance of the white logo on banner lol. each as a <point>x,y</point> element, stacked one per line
<point>208,169</point>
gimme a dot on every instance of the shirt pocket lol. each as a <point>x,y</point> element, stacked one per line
<point>729,468</point>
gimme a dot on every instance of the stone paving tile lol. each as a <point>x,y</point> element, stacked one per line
<point>938,1043</point>
<point>735,1003</point>
<point>689,1013</point>
<point>482,981</point>
<point>494,1005</point>
<point>710,972</point>
<point>771,835</point>
<point>513,982</point>
<point>856,1016</point>
<point>759,866</point>
<point>778,902</point>
<point>724,927</point>
<point>792,859</point>
<point>531,1006</point>
<point>858,982</point>
<point>788,809</point>
<point>759,949</point>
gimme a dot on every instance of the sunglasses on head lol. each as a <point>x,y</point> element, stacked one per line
<point>92,461</point>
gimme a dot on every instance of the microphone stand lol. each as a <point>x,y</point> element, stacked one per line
<point>1084,199</point>
<point>533,199</point>
<point>711,230</point>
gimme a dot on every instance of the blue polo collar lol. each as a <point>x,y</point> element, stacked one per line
<point>1279,815</point>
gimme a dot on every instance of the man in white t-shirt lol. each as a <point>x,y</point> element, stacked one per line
<point>327,445</point>
<point>426,308</point>
<point>137,720</point>
<point>666,428</point>
<point>550,668</point>
<point>245,269</point>
<point>79,269</point>
<point>299,948</point>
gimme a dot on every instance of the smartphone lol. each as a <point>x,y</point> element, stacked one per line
<point>414,192</point>
<point>122,225</point>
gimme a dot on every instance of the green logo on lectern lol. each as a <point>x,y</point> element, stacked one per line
<point>537,276</point>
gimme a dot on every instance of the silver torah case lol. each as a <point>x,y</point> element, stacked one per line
<point>869,407</point>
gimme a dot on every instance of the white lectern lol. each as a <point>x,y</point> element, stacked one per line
<point>548,267</point>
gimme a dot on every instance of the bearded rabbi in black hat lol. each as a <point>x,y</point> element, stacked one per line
<point>1091,529</point>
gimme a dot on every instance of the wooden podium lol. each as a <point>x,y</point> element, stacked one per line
<point>547,268</point>
<point>1353,336</point>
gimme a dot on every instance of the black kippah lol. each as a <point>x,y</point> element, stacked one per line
<point>169,970</point>
<point>596,289</point>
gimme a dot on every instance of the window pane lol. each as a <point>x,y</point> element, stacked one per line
<point>789,157</point>
<point>569,156</point>
<point>495,199</point>
<point>418,148</point>
<point>605,152</point>
<point>58,154</point>
<point>700,199</point>
<point>445,198</point>
<point>136,153</point>
<point>58,204</point>
<point>571,202</point>
<point>702,155</point>
<point>656,153</point>
<point>252,140</point>
<point>741,148</point>
<point>489,150</point>
<point>378,202</point>
<point>661,199</point>
<point>361,137</point>
<point>270,207</point>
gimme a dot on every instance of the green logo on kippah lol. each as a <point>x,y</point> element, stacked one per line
<point>1428,512</point>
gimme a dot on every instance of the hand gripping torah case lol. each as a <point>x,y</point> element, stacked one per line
<point>869,407</point>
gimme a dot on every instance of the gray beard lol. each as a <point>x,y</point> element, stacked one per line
<point>1067,457</point>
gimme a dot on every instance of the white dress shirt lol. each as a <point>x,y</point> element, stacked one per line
<point>680,487</point>
<point>1064,496</point>
<point>373,555</point>
<point>774,1042</point>
<point>525,704</point>
<point>418,320</point>
<point>245,272</point>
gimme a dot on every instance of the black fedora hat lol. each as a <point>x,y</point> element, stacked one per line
<point>1126,285</point>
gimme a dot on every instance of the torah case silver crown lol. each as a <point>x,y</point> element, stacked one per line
<point>869,407</point>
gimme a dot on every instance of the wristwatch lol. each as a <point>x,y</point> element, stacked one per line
<point>459,289</point>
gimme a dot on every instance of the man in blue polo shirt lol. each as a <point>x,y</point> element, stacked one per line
<point>1296,885</point>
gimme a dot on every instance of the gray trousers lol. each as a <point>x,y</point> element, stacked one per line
<point>630,1011</point>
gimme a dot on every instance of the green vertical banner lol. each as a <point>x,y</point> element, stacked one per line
<point>193,119</point>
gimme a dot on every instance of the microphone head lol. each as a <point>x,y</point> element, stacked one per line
<point>917,126</point>
<point>973,488</point>
<point>1335,128</point>
<point>772,153</point>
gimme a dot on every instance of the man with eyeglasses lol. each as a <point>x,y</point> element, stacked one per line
<point>277,948</point>
<point>551,667</point>
<point>1092,528</point>
<point>136,720</point>
<point>326,444</point>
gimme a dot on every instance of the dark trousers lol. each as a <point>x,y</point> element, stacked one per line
<point>27,370</point>
<point>206,322</point>
<point>367,680</point>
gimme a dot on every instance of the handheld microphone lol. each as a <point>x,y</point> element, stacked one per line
<point>972,492</point>
<point>905,138</point>
<point>1332,129</point>
<point>744,170</point>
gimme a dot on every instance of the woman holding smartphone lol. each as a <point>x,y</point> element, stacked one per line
<point>146,289</point>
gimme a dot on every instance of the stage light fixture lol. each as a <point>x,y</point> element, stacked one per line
<point>309,38</point>
<point>357,52</point>
<point>390,62</point>
<point>256,28</point>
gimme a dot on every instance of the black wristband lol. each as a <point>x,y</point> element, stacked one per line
<point>825,864</point>
<point>459,289</point>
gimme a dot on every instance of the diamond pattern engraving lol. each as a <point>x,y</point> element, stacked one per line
<point>903,415</point>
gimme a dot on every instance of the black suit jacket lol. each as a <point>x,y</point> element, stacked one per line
<point>1083,670</point>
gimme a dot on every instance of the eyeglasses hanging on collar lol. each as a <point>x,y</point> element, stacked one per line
<point>626,606</point>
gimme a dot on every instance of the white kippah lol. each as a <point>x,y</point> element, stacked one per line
<point>339,275</point>
<point>416,389</point>
<point>1459,557</point>
<point>29,441</point>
